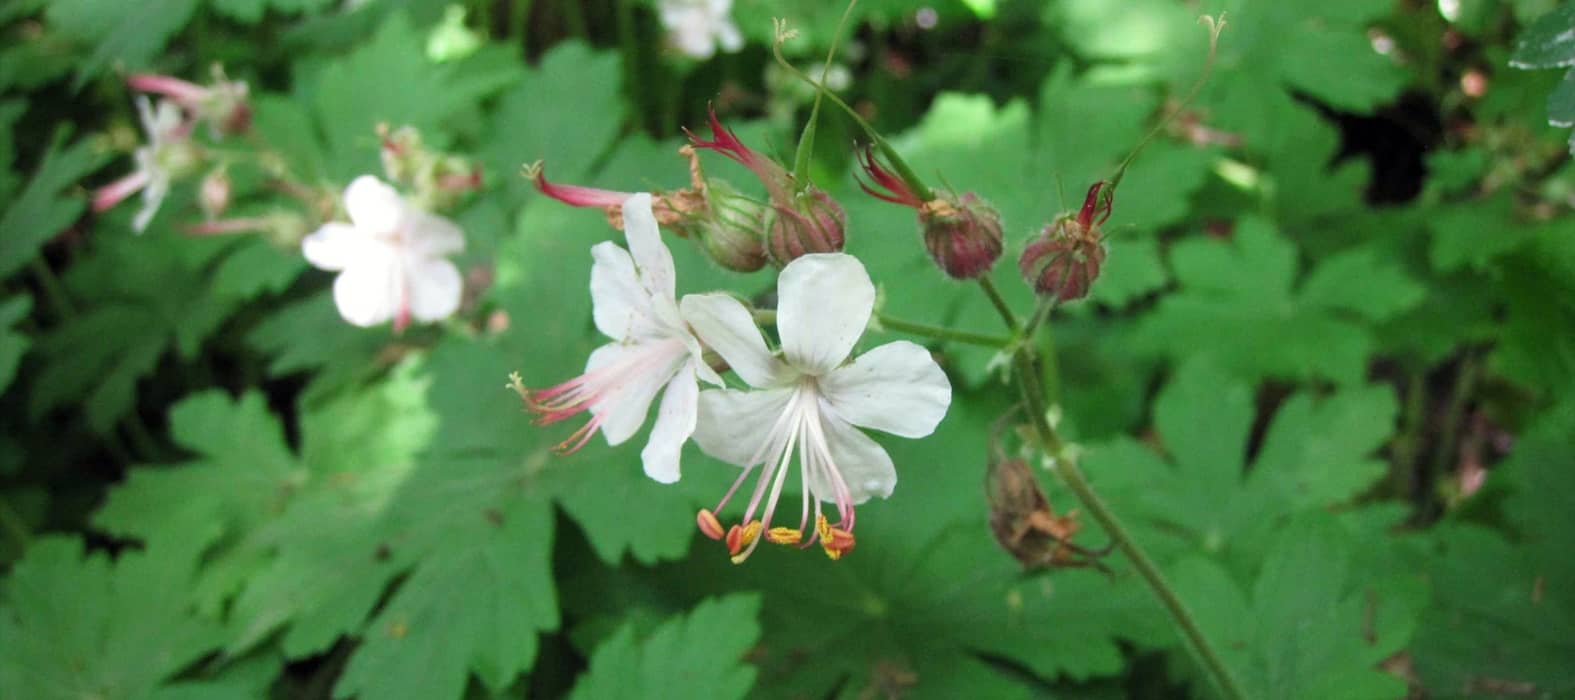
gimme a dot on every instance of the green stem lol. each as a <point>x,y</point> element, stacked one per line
<point>1454,413</point>
<point>574,17</point>
<point>519,25</point>
<point>1028,378</point>
<point>903,171</point>
<point>938,333</point>
<point>999,303</point>
<point>769,317</point>
<point>806,141</point>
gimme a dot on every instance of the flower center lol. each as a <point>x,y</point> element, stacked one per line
<point>799,430</point>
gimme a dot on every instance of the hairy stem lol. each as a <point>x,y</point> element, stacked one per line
<point>1028,379</point>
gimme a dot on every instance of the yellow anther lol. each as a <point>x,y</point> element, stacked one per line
<point>784,535</point>
<point>741,536</point>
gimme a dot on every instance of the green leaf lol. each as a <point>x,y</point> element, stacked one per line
<point>77,625</point>
<point>1310,627</point>
<point>1475,233</point>
<point>1503,619</point>
<point>127,35</point>
<point>1549,42</point>
<point>13,345</point>
<point>1237,304</point>
<point>1207,499</point>
<point>42,211</point>
<point>545,117</point>
<point>245,474</point>
<point>700,654</point>
<point>390,80</point>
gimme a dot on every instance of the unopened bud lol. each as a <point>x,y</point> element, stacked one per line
<point>731,230</point>
<point>814,224</point>
<point>1063,261</point>
<point>963,237</point>
<point>213,195</point>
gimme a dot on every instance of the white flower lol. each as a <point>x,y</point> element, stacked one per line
<point>808,401</point>
<point>695,27</point>
<point>634,304</point>
<point>168,154</point>
<point>390,257</point>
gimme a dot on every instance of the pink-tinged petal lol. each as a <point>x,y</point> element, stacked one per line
<point>434,288</point>
<point>733,425</point>
<point>620,306</point>
<point>373,206</point>
<point>824,302</point>
<point>368,293</point>
<point>334,246</point>
<point>433,235</point>
<point>675,422</point>
<point>623,412</point>
<point>863,464</point>
<point>652,260</point>
<point>180,90</point>
<point>117,191</point>
<point>896,388</point>
<point>725,326</point>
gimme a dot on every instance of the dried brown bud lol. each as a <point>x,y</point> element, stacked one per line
<point>1025,525</point>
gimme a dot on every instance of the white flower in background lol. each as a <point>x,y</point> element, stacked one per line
<point>390,257</point>
<point>168,154</point>
<point>807,402</point>
<point>634,304</point>
<point>695,27</point>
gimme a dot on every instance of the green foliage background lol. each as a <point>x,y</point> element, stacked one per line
<point>1342,284</point>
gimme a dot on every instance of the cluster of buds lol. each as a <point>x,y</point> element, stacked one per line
<point>802,219</point>
<point>437,180</point>
<point>727,225</point>
<point>1065,259</point>
<point>962,234</point>
<point>221,104</point>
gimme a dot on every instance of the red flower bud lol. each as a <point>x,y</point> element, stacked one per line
<point>1063,261</point>
<point>963,237</point>
<point>813,224</point>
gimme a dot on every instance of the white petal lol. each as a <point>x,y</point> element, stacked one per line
<point>433,235</point>
<point>153,195</point>
<point>334,246</point>
<point>728,36</point>
<point>652,260</point>
<point>373,206</point>
<point>727,327</point>
<point>624,412</point>
<point>675,422</point>
<point>435,289</point>
<point>619,305</point>
<point>734,424</point>
<point>367,293</point>
<point>864,465</point>
<point>896,387</point>
<point>823,304</point>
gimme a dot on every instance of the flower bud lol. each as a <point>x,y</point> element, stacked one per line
<point>1063,261</point>
<point>814,224</point>
<point>731,230</point>
<point>963,237</point>
<point>213,195</point>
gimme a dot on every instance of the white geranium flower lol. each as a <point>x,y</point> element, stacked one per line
<point>390,257</point>
<point>168,154</point>
<point>634,304</point>
<point>695,27</point>
<point>808,401</point>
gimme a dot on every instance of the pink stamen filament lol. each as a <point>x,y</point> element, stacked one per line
<point>596,387</point>
<point>186,93</point>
